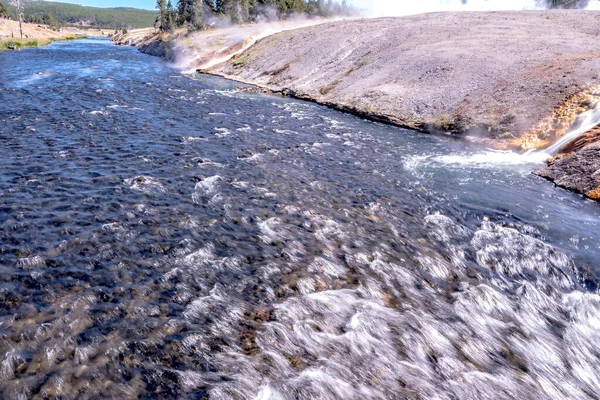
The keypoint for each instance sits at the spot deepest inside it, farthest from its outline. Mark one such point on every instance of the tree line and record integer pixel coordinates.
(56, 14)
(197, 14)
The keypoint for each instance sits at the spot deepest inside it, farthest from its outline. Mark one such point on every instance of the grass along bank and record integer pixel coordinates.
(18, 44)
(39, 35)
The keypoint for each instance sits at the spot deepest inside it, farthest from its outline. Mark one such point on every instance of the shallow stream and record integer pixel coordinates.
(170, 236)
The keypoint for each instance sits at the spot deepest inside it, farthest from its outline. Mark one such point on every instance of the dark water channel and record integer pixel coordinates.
(170, 237)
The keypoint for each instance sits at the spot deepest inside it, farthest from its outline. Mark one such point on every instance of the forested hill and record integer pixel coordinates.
(72, 14)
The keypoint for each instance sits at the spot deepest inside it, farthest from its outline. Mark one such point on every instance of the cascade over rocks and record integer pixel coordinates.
(560, 121)
(577, 167)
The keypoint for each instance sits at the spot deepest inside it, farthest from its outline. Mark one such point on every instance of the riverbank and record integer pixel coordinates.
(508, 79)
(37, 35)
(488, 74)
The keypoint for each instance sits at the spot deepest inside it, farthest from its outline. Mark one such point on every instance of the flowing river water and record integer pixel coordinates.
(169, 236)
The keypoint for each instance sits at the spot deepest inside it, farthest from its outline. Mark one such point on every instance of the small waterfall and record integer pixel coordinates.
(584, 123)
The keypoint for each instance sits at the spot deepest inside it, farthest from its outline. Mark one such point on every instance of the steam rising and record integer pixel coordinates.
(385, 8)
(205, 49)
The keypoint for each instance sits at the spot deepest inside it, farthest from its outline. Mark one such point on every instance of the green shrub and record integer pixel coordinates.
(11, 44)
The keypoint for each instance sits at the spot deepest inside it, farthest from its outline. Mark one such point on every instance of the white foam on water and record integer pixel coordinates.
(146, 184)
(205, 163)
(31, 262)
(208, 185)
(268, 393)
(253, 157)
(490, 158)
(227, 93)
(270, 230)
(285, 132)
(207, 190)
(188, 139)
(30, 80)
(240, 185)
(526, 333)
(112, 227)
(222, 132)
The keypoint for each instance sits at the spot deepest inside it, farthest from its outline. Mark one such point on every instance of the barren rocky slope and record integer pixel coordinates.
(494, 72)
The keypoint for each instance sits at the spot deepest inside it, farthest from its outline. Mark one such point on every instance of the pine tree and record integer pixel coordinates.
(162, 17)
(3, 10)
(237, 10)
(171, 15)
(181, 12)
(197, 14)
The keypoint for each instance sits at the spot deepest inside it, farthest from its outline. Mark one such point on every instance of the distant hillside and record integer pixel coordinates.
(73, 14)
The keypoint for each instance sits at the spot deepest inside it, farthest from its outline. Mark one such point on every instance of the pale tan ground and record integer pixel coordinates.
(492, 74)
(10, 29)
(134, 37)
(87, 31)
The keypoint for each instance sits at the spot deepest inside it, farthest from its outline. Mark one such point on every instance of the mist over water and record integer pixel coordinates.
(169, 237)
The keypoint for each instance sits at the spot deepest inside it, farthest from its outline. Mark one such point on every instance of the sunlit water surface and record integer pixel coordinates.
(162, 236)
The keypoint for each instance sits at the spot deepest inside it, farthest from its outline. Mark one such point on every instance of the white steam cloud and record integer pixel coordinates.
(381, 8)
(206, 49)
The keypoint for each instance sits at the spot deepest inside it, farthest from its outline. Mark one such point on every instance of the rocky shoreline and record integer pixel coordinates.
(496, 77)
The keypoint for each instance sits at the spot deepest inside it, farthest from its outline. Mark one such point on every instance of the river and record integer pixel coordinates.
(171, 236)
